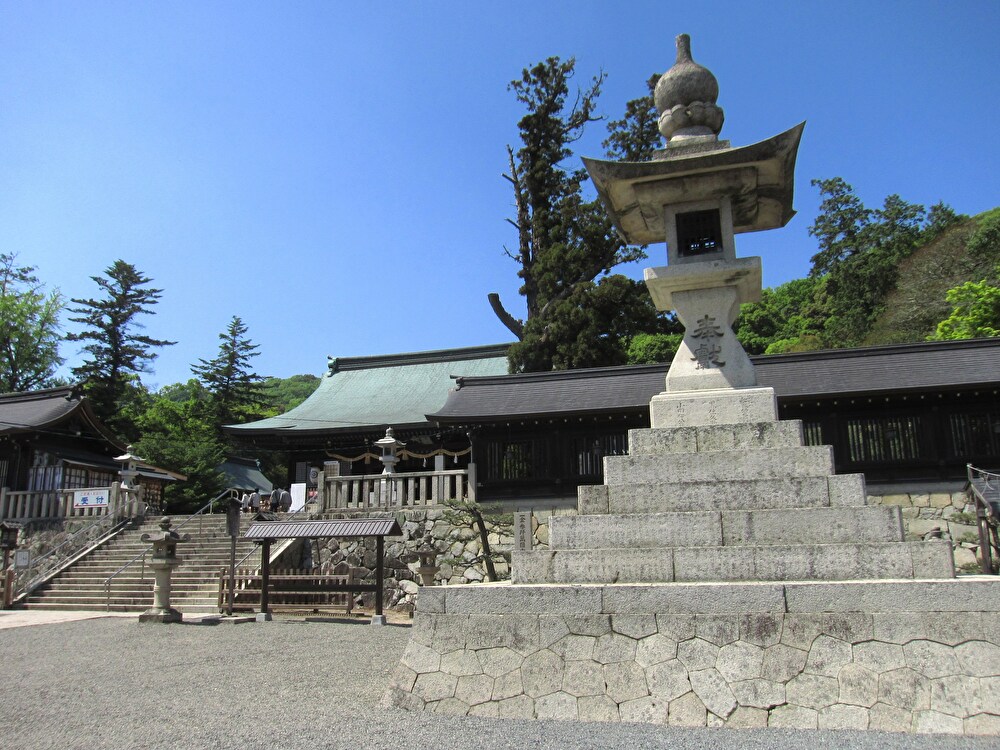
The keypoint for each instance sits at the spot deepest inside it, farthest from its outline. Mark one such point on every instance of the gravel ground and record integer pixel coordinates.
(113, 683)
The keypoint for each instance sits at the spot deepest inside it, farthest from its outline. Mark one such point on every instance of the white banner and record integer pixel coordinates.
(92, 498)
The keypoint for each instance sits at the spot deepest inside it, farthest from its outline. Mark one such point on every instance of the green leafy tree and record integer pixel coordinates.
(236, 392)
(785, 314)
(975, 312)
(653, 348)
(176, 433)
(567, 246)
(285, 394)
(29, 329)
(116, 352)
(985, 241)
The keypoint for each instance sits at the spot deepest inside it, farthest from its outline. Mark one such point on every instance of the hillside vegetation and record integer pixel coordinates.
(918, 303)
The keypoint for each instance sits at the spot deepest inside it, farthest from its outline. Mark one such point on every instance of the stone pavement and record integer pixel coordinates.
(19, 618)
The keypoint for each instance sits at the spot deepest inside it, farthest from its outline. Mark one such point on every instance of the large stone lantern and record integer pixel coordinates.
(164, 559)
(698, 193)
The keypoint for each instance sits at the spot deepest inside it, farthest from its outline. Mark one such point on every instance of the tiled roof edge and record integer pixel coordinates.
(338, 364)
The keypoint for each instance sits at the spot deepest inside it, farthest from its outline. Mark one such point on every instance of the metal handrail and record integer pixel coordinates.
(985, 490)
(197, 514)
(26, 581)
(254, 551)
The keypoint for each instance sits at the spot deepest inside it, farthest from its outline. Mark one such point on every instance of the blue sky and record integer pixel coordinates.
(330, 171)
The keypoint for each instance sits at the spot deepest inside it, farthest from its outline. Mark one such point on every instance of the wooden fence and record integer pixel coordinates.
(31, 505)
(291, 590)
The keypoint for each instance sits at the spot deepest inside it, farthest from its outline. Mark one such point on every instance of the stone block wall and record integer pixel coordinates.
(903, 672)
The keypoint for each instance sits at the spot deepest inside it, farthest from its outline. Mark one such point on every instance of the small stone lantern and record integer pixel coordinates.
(164, 559)
(129, 485)
(428, 567)
(390, 446)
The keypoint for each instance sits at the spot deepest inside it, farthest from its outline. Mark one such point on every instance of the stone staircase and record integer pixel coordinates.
(194, 583)
(735, 502)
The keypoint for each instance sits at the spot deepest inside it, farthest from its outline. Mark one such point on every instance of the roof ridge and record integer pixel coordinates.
(337, 364)
(582, 372)
(63, 391)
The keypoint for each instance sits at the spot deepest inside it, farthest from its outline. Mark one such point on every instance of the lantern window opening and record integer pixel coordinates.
(699, 232)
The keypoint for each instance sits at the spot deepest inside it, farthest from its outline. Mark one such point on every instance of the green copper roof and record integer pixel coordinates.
(388, 390)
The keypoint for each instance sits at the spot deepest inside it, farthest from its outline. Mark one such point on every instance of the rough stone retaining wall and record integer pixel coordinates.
(458, 548)
(950, 512)
(893, 671)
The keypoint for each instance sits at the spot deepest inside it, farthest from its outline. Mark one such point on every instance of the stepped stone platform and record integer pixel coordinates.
(722, 576)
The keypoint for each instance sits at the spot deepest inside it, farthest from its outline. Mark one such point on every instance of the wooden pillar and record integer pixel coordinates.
(379, 552)
(265, 573)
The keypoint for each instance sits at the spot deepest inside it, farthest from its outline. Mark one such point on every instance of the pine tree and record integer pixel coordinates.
(29, 329)
(236, 392)
(115, 352)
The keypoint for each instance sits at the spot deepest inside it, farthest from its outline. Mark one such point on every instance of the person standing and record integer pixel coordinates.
(254, 501)
(286, 501)
(275, 500)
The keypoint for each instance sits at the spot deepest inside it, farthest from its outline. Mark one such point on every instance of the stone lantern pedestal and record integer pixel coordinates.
(164, 560)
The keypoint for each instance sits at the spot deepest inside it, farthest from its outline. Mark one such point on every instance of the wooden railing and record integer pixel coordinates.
(50, 504)
(402, 490)
(984, 489)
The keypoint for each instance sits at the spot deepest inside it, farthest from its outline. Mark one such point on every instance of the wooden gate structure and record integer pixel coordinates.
(266, 532)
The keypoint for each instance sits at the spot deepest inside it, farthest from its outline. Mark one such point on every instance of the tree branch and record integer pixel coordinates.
(513, 325)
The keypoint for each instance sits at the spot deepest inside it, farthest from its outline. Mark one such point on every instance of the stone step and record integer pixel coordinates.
(748, 436)
(713, 466)
(723, 528)
(61, 588)
(190, 559)
(743, 494)
(123, 605)
(799, 562)
(738, 600)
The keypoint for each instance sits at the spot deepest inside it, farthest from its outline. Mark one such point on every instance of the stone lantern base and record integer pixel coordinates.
(154, 614)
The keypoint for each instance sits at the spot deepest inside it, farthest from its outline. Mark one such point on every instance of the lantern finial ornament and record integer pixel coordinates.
(685, 97)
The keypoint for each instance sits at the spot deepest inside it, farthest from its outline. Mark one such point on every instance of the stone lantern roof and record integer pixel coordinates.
(696, 165)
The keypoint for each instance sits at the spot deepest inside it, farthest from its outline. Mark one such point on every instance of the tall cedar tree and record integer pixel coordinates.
(236, 392)
(577, 314)
(29, 329)
(116, 353)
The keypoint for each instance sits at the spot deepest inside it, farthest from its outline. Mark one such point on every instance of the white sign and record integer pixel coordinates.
(22, 558)
(93, 498)
(522, 531)
(298, 493)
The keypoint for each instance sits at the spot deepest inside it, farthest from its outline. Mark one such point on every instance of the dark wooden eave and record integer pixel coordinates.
(896, 369)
